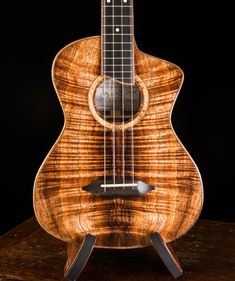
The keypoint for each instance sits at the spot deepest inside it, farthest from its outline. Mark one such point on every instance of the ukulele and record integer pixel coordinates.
(117, 171)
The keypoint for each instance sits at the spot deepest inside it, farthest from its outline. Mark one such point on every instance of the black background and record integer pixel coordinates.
(197, 38)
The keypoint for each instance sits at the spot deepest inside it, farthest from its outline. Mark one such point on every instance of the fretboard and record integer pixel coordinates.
(118, 40)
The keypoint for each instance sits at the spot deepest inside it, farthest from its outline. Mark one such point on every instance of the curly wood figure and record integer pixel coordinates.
(117, 176)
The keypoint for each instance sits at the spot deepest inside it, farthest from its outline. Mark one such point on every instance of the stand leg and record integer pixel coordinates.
(77, 258)
(166, 253)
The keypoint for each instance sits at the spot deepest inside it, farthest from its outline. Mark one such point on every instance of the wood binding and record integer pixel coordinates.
(69, 213)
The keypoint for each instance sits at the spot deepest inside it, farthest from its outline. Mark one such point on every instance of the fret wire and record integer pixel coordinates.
(119, 34)
(126, 6)
(105, 51)
(117, 16)
(121, 77)
(118, 42)
(117, 50)
(116, 58)
(118, 65)
(114, 71)
(114, 25)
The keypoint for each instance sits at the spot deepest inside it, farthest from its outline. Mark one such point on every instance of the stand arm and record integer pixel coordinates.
(166, 253)
(77, 258)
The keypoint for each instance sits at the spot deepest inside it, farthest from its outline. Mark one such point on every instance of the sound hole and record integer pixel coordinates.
(116, 102)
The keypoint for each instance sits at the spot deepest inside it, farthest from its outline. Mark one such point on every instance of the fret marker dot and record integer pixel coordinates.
(108, 1)
(125, 1)
(117, 29)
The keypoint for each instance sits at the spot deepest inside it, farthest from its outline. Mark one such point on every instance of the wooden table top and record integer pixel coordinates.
(206, 253)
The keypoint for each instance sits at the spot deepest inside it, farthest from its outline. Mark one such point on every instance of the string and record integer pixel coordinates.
(123, 95)
(132, 84)
(113, 91)
(104, 87)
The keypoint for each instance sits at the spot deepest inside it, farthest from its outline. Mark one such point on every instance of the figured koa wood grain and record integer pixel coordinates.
(67, 212)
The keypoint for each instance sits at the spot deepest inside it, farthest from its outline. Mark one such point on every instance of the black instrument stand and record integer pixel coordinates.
(78, 256)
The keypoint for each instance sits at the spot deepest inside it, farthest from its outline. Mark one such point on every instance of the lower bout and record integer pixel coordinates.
(120, 231)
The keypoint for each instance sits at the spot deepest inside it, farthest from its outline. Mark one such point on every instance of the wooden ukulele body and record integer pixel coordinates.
(66, 211)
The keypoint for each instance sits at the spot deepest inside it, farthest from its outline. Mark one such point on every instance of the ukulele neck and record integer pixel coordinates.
(118, 40)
